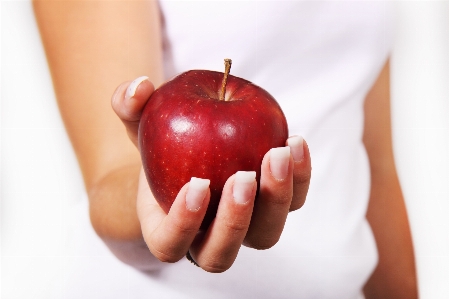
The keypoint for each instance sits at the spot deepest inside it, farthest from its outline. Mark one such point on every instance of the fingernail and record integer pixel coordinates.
(296, 147)
(196, 193)
(279, 160)
(243, 186)
(131, 91)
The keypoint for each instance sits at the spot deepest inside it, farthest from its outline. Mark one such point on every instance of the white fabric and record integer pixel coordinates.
(330, 51)
(48, 248)
(318, 59)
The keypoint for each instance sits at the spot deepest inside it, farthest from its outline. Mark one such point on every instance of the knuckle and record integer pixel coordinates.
(117, 99)
(302, 177)
(215, 266)
(283, 198)
(235, 227)
(127, 114)
(299, 196)
(165, 257)
(296, 205)
(260, 243)
(166, 249)
(182, 227)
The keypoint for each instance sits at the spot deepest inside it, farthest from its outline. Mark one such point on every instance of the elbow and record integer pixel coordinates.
(112, 205)
(113, 215)
(111, 223)
(124, 240)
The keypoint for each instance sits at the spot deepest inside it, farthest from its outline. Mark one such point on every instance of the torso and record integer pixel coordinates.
(319, 60)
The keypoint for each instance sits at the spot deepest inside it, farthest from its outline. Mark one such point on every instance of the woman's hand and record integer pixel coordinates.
(285, 177)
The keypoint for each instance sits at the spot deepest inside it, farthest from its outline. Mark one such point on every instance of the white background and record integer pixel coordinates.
(42, 241)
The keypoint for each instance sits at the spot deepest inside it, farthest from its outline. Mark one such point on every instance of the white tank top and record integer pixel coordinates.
(319, 60)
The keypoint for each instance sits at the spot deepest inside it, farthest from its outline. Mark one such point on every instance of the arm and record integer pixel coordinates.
(394, 276)
(91, 47)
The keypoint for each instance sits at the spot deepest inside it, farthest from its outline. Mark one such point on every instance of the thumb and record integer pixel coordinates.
(128, 101)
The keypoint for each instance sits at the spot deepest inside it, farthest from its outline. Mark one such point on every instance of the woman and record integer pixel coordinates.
(325, 63)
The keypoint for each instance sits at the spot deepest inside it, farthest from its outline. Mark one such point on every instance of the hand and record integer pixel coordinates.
(284, 182)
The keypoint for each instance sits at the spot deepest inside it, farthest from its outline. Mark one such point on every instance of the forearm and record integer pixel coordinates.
(394, 276)
(91, 47)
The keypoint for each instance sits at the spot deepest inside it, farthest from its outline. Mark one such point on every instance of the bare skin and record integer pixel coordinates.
(80, 33)
(107, 154)
(395, 275)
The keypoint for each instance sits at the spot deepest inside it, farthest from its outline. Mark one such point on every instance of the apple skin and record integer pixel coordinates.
(186, 131)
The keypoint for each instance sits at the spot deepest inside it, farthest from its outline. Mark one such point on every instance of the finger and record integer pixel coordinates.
(274, 199)
(128, 102)
(169, 236)
(217, 249)
(302, 170)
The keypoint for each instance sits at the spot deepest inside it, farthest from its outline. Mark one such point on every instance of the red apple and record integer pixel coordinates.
(191, 128)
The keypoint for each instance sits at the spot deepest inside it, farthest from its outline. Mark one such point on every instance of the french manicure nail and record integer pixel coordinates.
(296, 144)
(279, 160)
(131, 91)
(196, 193)
(243, 186)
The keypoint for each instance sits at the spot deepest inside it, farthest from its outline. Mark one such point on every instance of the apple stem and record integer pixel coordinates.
(227, 63)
